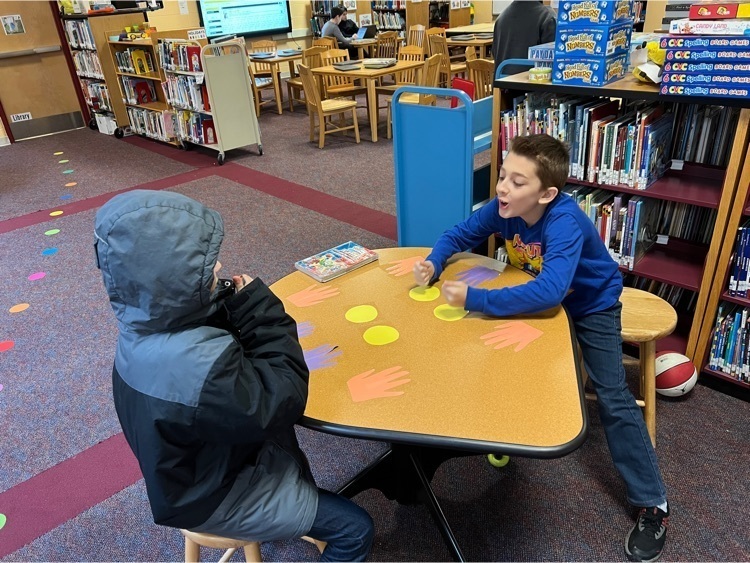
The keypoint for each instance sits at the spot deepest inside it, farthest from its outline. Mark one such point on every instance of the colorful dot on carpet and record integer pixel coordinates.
(1, 386)
(36, 276)
(49, 251)
(58, 153)
(3, 520)
(51, 232)
(18, 308)
(63, 161)
(69, 171)
(71, 184)
(56, 213)
(66, 196)
(6, 345)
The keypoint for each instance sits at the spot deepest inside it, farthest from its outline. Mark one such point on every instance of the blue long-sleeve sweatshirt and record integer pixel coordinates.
(564, 240)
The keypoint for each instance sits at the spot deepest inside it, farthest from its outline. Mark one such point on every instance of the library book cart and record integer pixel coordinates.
(702, 204)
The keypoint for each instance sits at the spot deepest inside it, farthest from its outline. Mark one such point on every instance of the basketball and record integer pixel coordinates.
(675, 374)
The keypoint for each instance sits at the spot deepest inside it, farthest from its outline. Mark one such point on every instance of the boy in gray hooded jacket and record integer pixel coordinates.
(208, 389)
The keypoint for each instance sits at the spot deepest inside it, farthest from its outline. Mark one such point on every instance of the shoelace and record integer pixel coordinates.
(651, 521)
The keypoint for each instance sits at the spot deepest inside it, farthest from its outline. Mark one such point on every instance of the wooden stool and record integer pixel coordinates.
(195, 540)
(645, 319)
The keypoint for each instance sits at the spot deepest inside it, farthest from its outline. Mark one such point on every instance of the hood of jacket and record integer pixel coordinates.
(156, 251)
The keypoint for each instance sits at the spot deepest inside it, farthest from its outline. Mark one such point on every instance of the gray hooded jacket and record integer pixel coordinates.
(207, 392)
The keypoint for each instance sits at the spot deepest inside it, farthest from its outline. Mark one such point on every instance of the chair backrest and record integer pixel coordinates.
(310, 86)
(439, 46)
(416, 35)
(429, 33)
(329, 57)
(481, 73)
(387, 45)
(471, 53)
(409, 53)
(263, 46)
(311, 57)
(431, 71)
(327, 42)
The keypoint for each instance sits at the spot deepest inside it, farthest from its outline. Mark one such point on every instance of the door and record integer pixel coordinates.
(37, 92)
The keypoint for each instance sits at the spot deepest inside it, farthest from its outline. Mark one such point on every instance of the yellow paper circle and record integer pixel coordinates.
(448, 313)
(381, 334)
(424, 293)
(361, 314)
(18, 308)
(55, 213)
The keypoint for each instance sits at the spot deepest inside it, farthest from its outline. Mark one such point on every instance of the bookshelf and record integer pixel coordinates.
(690, 265)
(87, 42)
(442, 14)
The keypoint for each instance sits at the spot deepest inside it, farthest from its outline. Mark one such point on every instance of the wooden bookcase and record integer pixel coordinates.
(678, 263)
(447, 17)
(98, 26)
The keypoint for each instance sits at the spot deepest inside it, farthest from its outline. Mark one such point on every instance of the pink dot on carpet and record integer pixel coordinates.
(36, 276)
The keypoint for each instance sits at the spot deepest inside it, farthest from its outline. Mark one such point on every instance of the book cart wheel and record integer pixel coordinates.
(220, 158)
(119, 133)
(92, 124)
(260, 150)
(498, 460)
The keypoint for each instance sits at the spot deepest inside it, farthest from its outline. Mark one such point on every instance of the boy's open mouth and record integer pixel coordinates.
(503, 204)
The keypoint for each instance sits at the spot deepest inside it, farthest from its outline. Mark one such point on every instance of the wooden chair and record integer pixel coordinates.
(481, 72)
(260, 68)
(470, 53)
(195, 540)
(334, 86)
(311, 59)
(645, 319)
(429, 33)
(387, 45)
(327, 42)
(448, 70)
(325, 108)
(430, 78)
(416, 36)
(258, 84)
(408, 53)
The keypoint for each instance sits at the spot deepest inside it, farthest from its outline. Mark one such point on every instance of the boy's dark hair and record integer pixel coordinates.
(343, 9)
(336, 11)
(550, 156)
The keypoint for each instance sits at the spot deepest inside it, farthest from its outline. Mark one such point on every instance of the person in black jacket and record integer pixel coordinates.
(523, 24)
(348, 27)
(208, 388)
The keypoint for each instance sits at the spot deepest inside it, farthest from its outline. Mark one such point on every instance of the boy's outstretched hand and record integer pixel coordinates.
(424, 270)
(455, 293)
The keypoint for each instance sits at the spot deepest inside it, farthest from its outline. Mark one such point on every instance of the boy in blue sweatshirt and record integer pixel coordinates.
(547, 235)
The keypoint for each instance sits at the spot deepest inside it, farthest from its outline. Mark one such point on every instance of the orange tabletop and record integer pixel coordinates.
(396, 370)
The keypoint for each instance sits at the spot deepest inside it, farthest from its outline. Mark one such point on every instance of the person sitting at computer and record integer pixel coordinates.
(348, 27)
(332, 29)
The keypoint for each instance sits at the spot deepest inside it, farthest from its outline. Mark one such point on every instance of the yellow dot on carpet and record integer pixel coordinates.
(71, 184)
(381, 334)
(56, 213)
(423, 293)
(18, 308)
(448, 313)
(58, 153)
(63, 161)
(361, 314)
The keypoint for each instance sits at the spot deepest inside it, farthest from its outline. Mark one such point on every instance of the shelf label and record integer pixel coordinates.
(16, 117)
(195, 34)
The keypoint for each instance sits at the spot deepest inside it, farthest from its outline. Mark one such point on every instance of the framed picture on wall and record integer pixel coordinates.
(365, 19)
(350, 5)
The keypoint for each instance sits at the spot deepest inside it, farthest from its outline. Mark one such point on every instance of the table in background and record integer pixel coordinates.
(362, 44)
(370, 76)
(459, 396)
(484, 46)
(275, 62)
(473, 28)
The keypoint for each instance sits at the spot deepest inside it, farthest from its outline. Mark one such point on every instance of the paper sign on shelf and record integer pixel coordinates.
(455, 4)
(16, 117)
(465, 3)
(195, 34)
(183, 5)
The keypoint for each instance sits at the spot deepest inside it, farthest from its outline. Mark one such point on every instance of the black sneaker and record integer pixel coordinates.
(646, 540)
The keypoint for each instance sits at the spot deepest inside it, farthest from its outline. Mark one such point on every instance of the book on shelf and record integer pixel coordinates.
(336, 261)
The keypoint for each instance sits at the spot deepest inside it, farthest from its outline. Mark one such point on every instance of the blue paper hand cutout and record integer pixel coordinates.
(321, 357)
(476, 275)
(304, 329)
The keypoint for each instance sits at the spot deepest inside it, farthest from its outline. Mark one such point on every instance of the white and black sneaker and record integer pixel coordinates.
(646, 540)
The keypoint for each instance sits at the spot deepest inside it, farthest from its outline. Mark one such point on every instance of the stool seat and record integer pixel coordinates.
(217, 542)
(195, 540)
(645, 316)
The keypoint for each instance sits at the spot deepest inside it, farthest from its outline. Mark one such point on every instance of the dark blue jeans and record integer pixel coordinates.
(599, 335)
(346, 527)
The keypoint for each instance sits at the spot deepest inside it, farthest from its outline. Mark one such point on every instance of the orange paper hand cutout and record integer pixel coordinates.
(370, 385)
(312, 295)
(403, 267)
(510, 333)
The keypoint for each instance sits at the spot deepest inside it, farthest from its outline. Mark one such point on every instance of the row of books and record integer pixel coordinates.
(96, 94)
(683, 300)
(136, 61)
(186, 92)
(324, 6)
(388, 4)
(739, 278)
(138, 91)
(87, 64)
(388, 20)
(619, 141)
(79, 34)
(196, 128)
(155, 124)
(730, 345)
(176, 55)
(630, 225)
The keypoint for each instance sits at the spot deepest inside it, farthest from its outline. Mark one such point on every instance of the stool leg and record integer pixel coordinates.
(227, 555)
(252, 553)
(192, 551)
(648, 386)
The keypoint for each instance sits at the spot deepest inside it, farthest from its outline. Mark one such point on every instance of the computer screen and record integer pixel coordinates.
(245, 17)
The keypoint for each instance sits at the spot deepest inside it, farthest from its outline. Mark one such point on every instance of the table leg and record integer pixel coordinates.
(372, 108)
(277, 86)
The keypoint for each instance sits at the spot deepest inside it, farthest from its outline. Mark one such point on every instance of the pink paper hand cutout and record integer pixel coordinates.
(510, 333)
(304, 329)
(403, 267)
(370, 385)
(476, 275)
(312, 295)
(321, 357)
